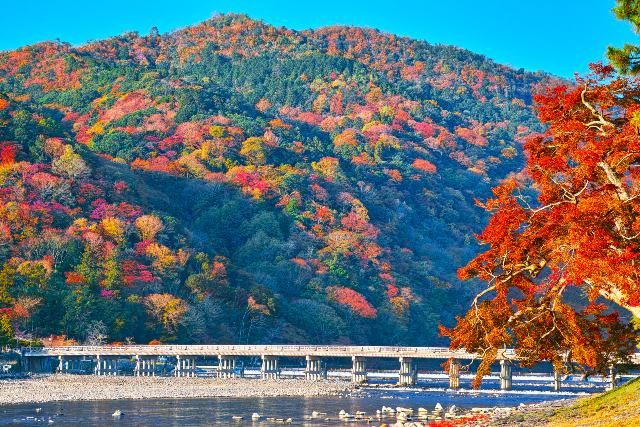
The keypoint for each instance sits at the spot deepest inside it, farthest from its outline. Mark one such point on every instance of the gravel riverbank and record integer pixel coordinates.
(533, 415)
(75, 387)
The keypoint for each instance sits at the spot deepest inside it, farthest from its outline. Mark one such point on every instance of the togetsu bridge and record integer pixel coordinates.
(105, 360)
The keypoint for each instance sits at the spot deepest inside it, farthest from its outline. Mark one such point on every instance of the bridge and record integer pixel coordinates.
(105, 360)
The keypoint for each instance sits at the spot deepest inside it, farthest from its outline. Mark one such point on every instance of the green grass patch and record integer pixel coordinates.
(618, 407)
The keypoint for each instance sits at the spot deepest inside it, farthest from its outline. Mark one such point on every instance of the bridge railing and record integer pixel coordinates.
(255, 349)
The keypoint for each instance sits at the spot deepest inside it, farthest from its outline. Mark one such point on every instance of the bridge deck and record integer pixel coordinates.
(253, 350)
(266, 350)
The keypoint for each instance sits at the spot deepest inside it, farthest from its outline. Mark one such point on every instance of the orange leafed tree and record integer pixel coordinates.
(552, 259)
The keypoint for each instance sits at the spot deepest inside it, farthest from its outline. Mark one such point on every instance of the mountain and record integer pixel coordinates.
(234, 182)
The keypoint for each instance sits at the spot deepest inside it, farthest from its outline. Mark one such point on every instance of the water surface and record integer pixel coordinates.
(219, 411)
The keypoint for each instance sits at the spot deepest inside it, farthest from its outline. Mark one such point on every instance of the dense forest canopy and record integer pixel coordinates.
(234, 182)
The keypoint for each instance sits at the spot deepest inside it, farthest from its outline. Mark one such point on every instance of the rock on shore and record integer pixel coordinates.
(75, 387)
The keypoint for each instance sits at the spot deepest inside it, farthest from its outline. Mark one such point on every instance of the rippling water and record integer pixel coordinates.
(219, 411)
(200, 412)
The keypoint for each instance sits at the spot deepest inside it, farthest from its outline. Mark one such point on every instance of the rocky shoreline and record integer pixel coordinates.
(52, 388)
(532, 415)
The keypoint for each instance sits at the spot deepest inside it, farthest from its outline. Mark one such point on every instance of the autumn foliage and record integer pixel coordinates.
(554, 254)
(217, 183)
(352, 299)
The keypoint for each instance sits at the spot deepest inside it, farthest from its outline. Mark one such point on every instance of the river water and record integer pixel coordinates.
(219, 411)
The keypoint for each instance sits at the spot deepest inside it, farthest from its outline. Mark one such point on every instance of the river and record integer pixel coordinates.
(219, 411)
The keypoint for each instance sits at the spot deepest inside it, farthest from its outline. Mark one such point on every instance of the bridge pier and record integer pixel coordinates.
(107, 366)
(408, 374)
(179, 370)
(185, 367)
(506, 377)
(269, 369)
(557, 380)
(454, 374)
(359, 370)
(151, 366)
(314, 370)
(145, 366)
(138, 368)
(63, 365)
(227, 367)
(613, 378)
(190, 367)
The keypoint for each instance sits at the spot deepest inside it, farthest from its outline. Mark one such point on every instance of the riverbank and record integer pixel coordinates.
(532, 415)
(615, 408)
(52, 388)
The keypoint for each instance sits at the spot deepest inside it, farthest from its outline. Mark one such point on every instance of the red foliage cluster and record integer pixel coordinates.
(424, 165)
(352, 299)
(7, 153)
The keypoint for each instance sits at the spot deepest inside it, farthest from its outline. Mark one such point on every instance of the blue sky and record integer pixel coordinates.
(559, 36)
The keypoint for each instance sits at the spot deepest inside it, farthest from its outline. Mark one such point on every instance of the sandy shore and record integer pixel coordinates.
(76, 387)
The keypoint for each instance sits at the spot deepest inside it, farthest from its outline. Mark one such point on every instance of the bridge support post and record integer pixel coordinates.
(178, 369)
(359, 369)
(557, 380)
(454, 374)
(191, 370)
(506, 378)
(613, 377)
(269, 369)
(60, 368)
(314, 370)
(226, 366)
(408, 374)
(150, 367)
(136, 368)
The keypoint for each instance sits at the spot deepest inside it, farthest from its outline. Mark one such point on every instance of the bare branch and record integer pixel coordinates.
(601, 122)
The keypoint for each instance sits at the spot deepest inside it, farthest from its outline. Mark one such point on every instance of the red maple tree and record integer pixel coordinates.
(574, 227)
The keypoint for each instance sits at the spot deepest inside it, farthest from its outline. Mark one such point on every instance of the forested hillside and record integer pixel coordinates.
(234, 182)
